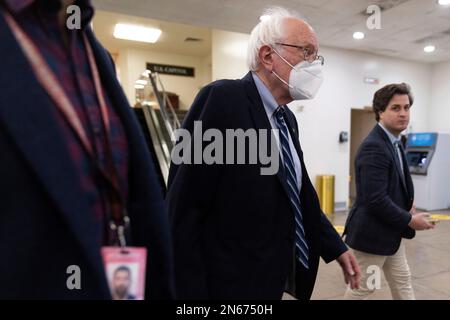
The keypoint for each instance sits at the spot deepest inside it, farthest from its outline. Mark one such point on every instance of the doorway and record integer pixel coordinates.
(362, 122)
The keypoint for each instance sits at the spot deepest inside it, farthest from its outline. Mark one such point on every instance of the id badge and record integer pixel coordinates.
(125, 270)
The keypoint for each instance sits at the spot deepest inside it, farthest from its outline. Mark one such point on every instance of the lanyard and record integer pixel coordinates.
(49, 81)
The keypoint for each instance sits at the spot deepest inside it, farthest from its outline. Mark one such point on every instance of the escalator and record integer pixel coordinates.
(158, 121)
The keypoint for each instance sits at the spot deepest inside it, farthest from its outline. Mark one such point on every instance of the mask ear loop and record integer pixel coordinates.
(289, 85)
(287, 62)
(276, 75)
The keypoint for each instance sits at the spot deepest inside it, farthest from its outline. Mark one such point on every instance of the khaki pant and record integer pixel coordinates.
(395, 269)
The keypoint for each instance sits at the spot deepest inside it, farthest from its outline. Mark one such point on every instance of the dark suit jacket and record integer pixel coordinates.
(380, 216)
(233, 228)
(45, 223)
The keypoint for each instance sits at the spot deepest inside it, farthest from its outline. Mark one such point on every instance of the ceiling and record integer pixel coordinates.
(407, 25)
(172, 39)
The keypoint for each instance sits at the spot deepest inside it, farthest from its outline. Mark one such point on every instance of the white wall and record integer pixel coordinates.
(323, 118)
(133, 62)
(440, 100)
(229, 50)
(207, 69)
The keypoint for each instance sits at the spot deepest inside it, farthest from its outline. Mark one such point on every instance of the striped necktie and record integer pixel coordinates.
(293, 189)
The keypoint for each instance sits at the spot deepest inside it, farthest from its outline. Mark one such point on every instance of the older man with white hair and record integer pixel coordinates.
(239, 234)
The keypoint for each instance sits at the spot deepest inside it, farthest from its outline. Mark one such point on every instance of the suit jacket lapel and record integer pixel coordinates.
(261, 121)
(394, 155)
(27, 114)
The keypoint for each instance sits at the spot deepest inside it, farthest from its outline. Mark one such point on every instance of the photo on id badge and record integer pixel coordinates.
(125, 271)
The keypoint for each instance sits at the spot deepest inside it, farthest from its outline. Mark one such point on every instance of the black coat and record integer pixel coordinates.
(233, 228)
(45, 222)
(380, 216)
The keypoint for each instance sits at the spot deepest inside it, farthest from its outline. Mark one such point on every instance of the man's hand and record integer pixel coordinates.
(350, 268)
(420, 221)
(413, 210)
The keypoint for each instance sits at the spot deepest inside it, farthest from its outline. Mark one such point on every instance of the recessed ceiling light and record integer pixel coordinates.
(359, 35)
(264, 17)
(444, 2)
(136, 33)
(429, 49)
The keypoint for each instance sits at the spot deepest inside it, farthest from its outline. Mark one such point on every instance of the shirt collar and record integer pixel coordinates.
(269, 102)
(18, 6)
(391, 137)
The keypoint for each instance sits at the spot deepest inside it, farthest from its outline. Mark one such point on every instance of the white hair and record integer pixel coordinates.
(267, 32)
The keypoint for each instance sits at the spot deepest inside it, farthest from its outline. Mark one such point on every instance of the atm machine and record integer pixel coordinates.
(428, 156)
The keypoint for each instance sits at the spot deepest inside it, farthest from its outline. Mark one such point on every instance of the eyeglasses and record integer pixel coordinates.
(308, 54)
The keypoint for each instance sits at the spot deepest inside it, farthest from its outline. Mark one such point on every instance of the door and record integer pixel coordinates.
(362, 122)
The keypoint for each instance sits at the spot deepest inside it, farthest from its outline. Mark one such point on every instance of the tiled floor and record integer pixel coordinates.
(428, 257)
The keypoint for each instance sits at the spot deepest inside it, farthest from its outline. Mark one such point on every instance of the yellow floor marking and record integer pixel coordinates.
(441, 217)
(339, 229)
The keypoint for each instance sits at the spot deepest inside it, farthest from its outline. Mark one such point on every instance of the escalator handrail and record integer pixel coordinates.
(176, 122)
(162, 104)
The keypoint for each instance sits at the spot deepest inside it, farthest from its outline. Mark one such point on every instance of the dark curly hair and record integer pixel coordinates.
(383, 96)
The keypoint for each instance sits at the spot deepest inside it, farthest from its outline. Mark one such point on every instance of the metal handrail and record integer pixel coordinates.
(162, 105)
(160, 128)
(162, 154)
(176, 121)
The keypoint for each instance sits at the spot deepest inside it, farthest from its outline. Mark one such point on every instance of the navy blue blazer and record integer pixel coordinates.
(233, 228)
(380, 215)
(45, 224)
